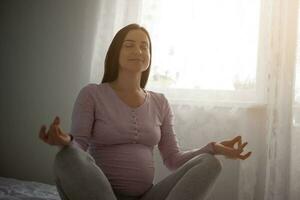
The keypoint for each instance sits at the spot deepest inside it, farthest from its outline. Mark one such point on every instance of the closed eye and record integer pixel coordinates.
(144, 47)
(129, 45)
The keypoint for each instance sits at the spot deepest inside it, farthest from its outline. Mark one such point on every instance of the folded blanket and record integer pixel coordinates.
(14, 189)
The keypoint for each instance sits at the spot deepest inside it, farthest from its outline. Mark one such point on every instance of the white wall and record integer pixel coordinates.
(45, 49)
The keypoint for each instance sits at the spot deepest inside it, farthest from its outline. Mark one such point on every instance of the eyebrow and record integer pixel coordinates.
(135, 41)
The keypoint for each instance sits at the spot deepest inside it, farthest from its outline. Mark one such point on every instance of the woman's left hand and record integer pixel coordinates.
(227, 148)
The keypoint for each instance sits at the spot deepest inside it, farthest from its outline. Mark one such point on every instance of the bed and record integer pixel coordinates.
(14, 189)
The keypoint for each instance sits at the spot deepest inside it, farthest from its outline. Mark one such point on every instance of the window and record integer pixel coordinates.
(204, 50)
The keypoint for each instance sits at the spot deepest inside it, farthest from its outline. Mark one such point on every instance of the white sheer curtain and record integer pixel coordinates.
(279, 57)
(295, 137)
(272, 172)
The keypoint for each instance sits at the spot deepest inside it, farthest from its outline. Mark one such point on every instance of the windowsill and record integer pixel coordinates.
(220, 104)
(213, 98)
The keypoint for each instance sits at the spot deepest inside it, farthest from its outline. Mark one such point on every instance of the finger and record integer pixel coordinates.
(58, 135)
(42, 133)
(44, 136)
(239, 144)
(229, 151)
(56, 120)
(54, 125)
(60, 132)
(236, 142)
(235, 153)
(243, 145)
(226, 143)
(244, 157)
(53, 133)
(236, 139)
(232, 142)
(55, 136)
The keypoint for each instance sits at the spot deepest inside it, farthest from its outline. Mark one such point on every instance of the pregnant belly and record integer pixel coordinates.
(128, 167)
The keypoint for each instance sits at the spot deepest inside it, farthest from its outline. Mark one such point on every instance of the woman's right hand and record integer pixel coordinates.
(54, 136)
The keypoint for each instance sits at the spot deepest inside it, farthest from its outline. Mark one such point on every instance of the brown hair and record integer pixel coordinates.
(111, 64)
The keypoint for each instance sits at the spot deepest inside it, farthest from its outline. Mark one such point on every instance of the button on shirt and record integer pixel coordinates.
(121, 138)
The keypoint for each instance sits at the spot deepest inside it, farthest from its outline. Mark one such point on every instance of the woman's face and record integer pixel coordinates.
(135, 52)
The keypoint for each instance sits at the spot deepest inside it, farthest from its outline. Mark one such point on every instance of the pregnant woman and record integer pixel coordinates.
(108, 154)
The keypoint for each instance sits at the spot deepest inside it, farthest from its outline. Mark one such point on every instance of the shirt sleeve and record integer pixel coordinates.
(168, 146)
(82, 118)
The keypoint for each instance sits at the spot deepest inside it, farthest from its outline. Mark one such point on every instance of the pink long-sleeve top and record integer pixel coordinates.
(121, 138)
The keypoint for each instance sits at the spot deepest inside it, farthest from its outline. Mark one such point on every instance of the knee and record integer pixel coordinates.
(69, 157)
(213, 164)
(66, 154)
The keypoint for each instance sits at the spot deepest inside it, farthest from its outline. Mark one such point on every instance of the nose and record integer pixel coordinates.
(137, 50)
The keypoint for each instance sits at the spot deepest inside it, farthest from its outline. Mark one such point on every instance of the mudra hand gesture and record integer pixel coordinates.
(54, 136)
(227, 148)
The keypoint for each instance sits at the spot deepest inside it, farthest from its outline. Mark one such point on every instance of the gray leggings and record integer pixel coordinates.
(79, 178)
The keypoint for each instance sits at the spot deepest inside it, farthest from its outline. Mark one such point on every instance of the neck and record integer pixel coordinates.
(129, 83)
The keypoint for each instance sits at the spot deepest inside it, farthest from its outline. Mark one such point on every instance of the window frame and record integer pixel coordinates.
(241, 98)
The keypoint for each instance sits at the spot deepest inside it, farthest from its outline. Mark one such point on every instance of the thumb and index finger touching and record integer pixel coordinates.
(56, 123)
(240, 146)
(55, 127)
(43, 133)
(233, 141)
(238, 140)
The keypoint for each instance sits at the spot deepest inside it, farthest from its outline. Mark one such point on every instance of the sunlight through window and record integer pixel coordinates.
(203, 44)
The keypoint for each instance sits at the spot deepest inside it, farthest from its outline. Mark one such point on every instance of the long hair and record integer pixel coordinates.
(111, 64)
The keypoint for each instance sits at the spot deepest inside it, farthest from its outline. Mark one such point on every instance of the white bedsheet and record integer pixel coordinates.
(13, 189)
